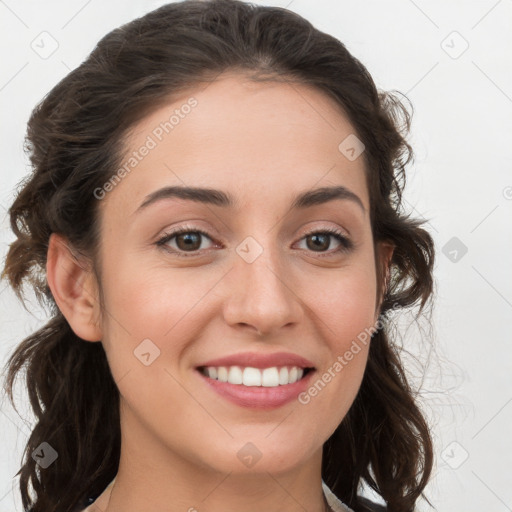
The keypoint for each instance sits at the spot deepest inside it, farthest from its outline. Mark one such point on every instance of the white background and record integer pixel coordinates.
(461, 182)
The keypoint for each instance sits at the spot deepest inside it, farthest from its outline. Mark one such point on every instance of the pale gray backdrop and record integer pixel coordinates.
(453, 60)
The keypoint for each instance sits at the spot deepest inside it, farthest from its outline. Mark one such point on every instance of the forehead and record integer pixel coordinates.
(276, 138)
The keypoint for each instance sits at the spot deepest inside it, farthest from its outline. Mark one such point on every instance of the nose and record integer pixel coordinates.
(262, 296)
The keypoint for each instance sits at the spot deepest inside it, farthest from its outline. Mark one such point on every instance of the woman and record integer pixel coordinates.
(214, 217)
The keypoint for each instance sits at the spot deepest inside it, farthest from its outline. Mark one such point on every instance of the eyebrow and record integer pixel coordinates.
(219, 198)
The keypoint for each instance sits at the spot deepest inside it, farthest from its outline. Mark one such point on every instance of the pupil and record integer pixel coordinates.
(189, 239)
(316, 239)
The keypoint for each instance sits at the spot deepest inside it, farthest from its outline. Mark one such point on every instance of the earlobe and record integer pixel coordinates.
(74, 288)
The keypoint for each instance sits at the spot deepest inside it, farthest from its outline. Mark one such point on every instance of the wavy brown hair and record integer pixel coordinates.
(75, 139)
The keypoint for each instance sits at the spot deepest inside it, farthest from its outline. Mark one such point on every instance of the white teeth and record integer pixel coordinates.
(270, 377)
(252, 377)
(235, 375)
(267, 377)
(222, 374)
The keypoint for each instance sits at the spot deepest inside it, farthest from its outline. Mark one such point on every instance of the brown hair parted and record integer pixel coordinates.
(75, 140)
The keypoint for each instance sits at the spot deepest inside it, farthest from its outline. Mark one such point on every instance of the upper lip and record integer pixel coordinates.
(255, 360)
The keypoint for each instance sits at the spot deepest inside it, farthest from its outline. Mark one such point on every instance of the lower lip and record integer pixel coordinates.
(259, 397)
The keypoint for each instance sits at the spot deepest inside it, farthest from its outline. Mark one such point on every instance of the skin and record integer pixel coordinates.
(264, 143)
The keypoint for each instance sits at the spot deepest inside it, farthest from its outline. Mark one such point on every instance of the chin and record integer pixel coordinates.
(258, 456)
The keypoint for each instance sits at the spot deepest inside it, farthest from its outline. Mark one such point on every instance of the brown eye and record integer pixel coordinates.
(188, 241)
(183, 241)
(320, 241)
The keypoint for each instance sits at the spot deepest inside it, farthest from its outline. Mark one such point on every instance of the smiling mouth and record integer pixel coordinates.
(271, 377)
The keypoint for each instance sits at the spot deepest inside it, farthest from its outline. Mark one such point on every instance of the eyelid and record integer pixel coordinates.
(345, 240)
(337, 233)
(167, 236)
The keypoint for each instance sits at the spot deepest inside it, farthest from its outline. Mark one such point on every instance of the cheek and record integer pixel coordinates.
(344, 299)
(343, 310)
(149, 321)
(164, 306)
(149, 299)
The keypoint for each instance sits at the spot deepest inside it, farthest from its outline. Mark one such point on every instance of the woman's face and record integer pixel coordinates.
(263, 279)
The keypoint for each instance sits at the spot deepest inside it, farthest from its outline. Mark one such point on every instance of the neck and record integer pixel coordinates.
(217, 493)
(150, 477)
(275, 499)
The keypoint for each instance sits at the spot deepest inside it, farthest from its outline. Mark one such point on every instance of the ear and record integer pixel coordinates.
(74, 288)
(384, 253)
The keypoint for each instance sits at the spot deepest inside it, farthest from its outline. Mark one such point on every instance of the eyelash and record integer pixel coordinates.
(346, 245)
